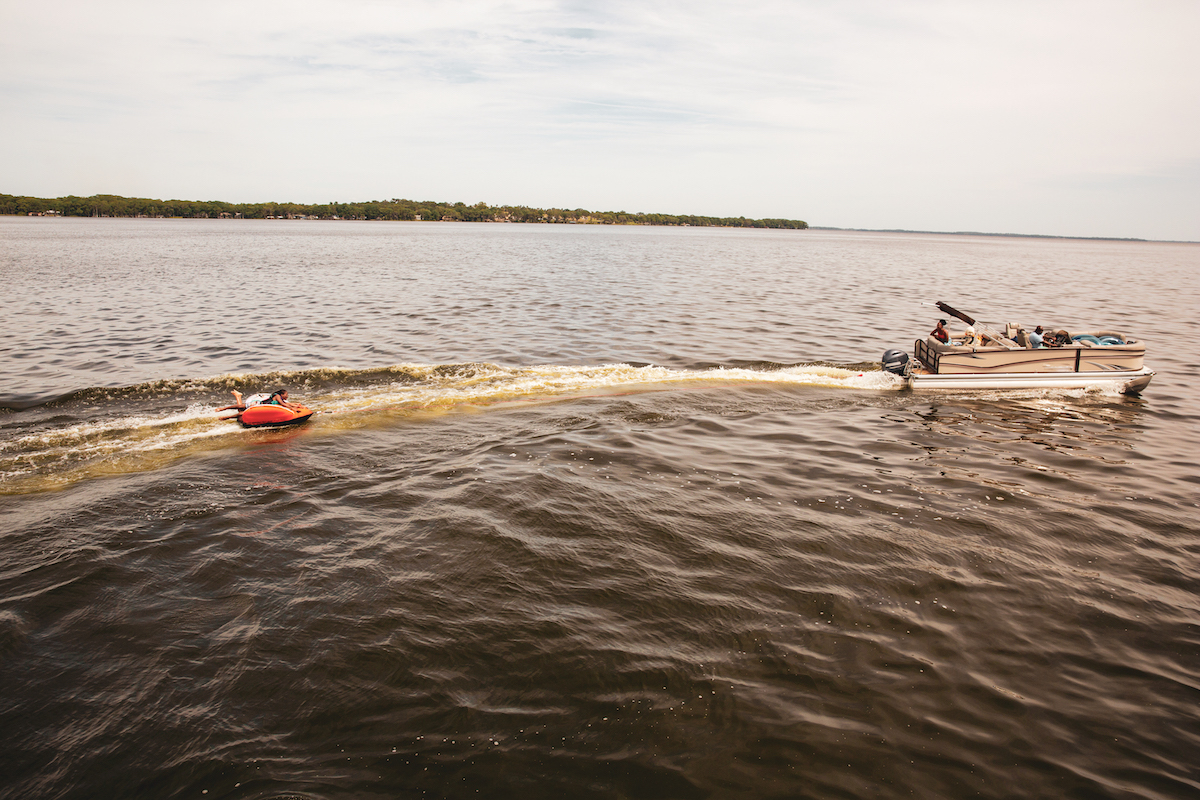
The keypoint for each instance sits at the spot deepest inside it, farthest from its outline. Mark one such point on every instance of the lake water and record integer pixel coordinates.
(600, 512)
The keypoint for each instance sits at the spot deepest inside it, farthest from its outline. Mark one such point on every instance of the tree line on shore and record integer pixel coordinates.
(104, 205)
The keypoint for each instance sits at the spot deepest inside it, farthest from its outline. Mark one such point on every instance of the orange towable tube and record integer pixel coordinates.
(269, 415)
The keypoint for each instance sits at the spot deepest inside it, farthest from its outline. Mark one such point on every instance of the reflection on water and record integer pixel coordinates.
(1095, 430)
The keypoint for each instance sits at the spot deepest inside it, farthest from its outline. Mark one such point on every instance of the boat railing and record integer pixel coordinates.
(929, 351)
(926, 354)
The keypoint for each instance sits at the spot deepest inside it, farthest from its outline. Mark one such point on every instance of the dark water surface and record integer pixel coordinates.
(586, 512)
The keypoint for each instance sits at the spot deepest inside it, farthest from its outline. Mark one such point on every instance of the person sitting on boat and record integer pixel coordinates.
(1036, 338)
(969, 338)
(940, 333)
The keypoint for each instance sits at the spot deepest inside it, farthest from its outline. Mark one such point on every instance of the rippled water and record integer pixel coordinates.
(602, 512)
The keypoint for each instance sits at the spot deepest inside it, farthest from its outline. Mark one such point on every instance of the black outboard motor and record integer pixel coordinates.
(896, 362)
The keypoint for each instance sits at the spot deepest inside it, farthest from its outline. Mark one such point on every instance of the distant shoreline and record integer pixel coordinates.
(395, 209)
(1005, 235)
(398, 209)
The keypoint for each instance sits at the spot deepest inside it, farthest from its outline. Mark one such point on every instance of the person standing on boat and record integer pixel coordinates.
(940, 333)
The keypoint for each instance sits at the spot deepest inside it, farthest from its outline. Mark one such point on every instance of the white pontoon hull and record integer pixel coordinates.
(1126, 381)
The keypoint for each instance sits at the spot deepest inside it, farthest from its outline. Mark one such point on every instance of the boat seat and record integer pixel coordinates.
(939, 347)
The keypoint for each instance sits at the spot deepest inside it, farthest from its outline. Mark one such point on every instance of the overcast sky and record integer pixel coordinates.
(1069, 118)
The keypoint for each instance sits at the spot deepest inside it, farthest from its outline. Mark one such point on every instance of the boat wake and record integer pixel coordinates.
(107, 431)
(444, 387)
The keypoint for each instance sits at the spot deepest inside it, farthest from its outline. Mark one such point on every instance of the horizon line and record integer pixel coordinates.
(1010, 235)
